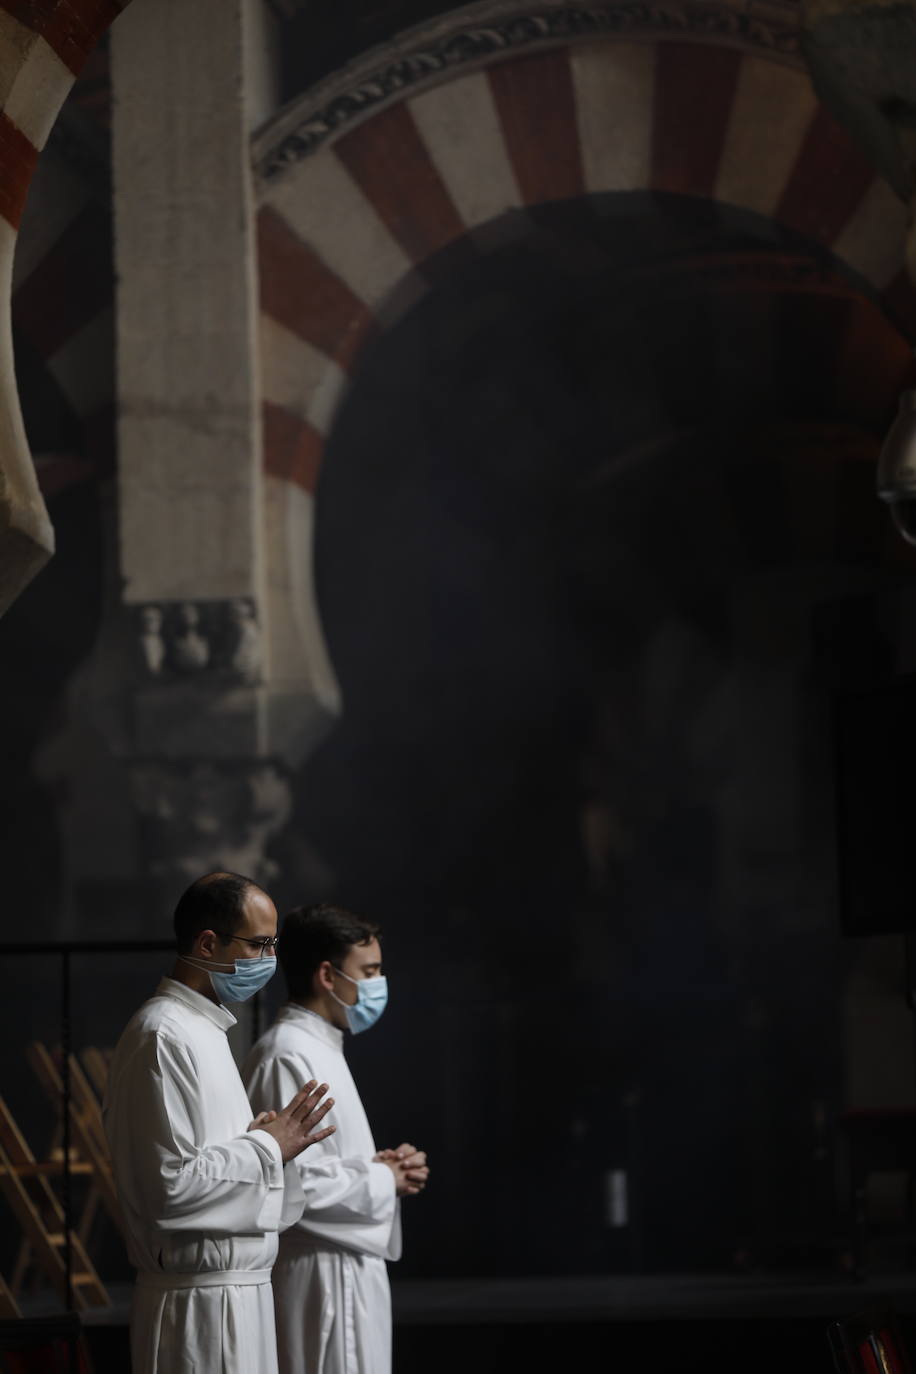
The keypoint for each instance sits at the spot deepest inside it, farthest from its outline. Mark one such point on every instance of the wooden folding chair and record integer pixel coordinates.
(87, 1089)
(86, 1129)
(95, 1062)
(24, 1182)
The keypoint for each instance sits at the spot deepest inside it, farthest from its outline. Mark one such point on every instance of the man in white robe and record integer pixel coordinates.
(203, 1188)
(330, 1280)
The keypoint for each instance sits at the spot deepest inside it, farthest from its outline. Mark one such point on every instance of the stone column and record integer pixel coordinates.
(188, 437)
(207, 773)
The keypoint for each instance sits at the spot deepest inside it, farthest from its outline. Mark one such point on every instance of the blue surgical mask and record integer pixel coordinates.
(247, 978)
(371, 1001)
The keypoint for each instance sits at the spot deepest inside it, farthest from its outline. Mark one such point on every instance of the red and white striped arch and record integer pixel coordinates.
(349, 234)
(63, 286)
(361, 217)
(43, 46)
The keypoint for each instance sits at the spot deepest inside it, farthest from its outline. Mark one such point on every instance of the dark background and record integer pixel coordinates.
(594, 584)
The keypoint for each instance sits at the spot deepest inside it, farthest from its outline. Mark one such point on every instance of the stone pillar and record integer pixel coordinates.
(188, 433)
(207, 773)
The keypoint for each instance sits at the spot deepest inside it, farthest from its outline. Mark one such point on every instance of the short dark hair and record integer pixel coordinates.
(214, 902)
(311, 934)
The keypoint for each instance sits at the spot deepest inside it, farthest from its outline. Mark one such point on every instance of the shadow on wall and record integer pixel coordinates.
(584, 774)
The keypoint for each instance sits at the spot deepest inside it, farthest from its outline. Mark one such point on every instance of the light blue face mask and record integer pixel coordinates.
(371, 1001)
(247, 978)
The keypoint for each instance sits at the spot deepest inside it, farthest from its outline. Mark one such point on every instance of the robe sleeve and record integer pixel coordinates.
(184, 1184)
(293, 1196)
(350, 1202)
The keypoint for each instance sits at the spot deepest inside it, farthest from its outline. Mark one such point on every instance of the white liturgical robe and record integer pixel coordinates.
(330, 1281)
(203, 1197)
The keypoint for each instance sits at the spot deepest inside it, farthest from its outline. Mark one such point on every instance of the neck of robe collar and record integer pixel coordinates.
(313, 1023)
(214, 1011)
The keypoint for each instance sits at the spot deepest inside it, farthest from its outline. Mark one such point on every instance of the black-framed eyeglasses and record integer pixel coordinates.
(262, 943)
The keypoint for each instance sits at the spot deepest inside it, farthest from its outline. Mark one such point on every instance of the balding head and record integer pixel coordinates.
(214, 902)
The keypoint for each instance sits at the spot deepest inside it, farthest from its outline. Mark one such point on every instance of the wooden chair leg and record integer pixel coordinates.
(86, 1122)
(8, 1305)
(21, 1267)
(24, 1183)
(88, 1215)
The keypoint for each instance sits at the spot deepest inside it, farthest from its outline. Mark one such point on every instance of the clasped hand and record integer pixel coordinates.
(408, 1164)
(294, 1127)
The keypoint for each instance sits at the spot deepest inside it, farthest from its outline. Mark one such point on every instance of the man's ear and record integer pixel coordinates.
(324, 976)
(206, 943)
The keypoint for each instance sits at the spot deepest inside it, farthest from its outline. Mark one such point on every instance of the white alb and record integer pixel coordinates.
(203, 1197)
(331, 1289)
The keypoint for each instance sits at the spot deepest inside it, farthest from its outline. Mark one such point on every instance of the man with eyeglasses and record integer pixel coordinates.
(330, 1281)
(204, 1189)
